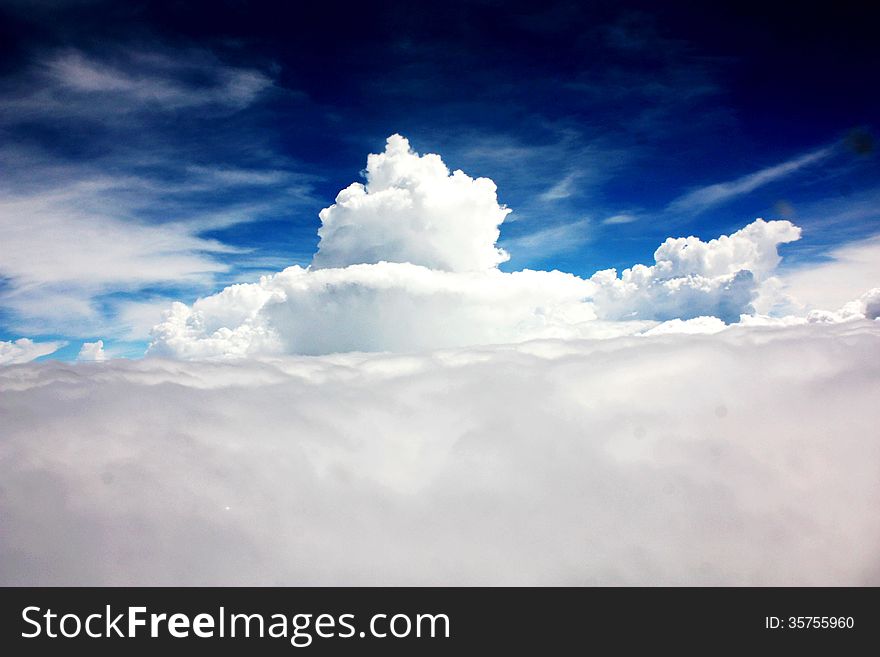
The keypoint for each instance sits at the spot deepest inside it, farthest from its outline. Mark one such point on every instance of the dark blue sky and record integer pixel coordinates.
(600, 122)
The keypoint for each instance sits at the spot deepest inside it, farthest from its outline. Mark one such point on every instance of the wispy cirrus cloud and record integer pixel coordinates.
(617, 219)
(701, 199)
(133, 81)
(122, 169)
(559, 238)
(563, 189)
(60, 249)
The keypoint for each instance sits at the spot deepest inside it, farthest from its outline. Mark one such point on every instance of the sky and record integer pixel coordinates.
(479, 293)
(153, 153)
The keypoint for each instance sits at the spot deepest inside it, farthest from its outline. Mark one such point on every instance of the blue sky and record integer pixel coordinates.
(159, 152)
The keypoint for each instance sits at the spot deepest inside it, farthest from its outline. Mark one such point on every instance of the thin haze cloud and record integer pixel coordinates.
(563, 189)
(620, 219)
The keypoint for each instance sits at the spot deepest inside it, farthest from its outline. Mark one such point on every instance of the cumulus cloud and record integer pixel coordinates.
(691, 277)
(409, 261)
(382, 307)
(870, 302)
(92, 351)
(549, 462)
(25, 350)
(413, 210)
(867, 306)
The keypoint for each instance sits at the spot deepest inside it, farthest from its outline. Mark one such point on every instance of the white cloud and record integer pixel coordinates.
(138, 317)
(381, 307)
(551, 240)
(871, 301)
(92, 351)
(758, 320)
(52, 286)
(620, 219)
(528, 452)
(125, 209)
(728, 459)
(867, 306)
(409, 262)
(25, 350)
(691, 277)
(413, 210)
(695, 326)
(563, 189)
(165, 79)
(108, 249)
(403, 307)
(701, 199)
(847, 272)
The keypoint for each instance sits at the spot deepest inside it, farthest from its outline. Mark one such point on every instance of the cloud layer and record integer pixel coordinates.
(744, 457)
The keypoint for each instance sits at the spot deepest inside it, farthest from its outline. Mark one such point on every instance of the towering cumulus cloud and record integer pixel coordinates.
(409, 261)
(412, 210)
